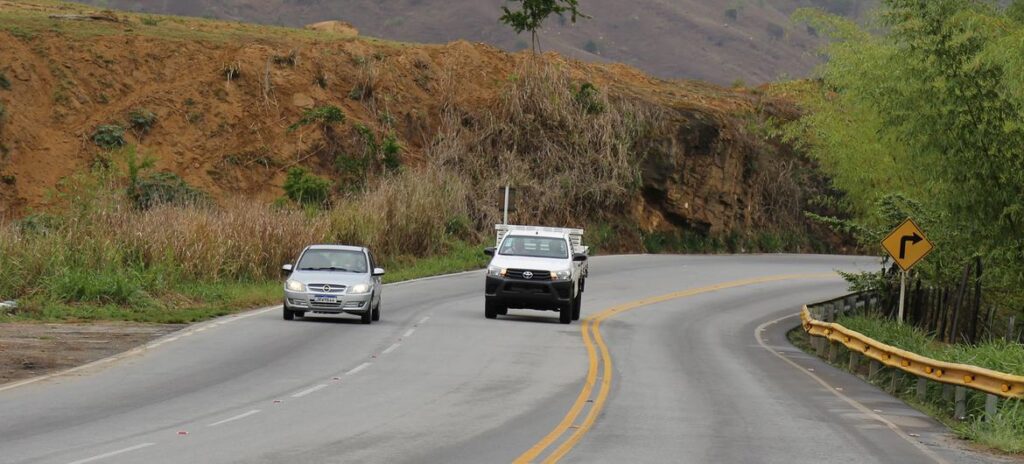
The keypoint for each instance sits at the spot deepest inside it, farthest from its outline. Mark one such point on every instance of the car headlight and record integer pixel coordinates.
(295, 286)
(359, 288)
(495, 271)
(561, 275)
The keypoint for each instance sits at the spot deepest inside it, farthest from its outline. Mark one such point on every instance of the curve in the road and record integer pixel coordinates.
(591, 332)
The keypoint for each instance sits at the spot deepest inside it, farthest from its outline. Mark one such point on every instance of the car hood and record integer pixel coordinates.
(523, 262)
(329, 277)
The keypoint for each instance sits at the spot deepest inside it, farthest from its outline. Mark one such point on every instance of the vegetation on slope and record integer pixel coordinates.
(925, 120)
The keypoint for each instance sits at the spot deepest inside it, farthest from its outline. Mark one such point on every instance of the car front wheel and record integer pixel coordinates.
(288, 314)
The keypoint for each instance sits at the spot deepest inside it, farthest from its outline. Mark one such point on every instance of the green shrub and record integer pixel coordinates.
(141, 119)
(150, 21)
(109, 136)
(164, 188)
(391, 151)
(4, 83)
(589, 99)
(305, 188)
(323, 115)
(8, 179)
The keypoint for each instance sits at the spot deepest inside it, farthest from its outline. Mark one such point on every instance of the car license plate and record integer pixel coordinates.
(325, 299)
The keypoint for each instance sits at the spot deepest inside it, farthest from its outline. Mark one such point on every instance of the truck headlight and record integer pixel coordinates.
(359, 289)
(561, 275)
(295, 286)
(495, 271)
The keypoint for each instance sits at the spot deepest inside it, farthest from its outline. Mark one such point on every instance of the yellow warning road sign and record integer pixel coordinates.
(907, 245)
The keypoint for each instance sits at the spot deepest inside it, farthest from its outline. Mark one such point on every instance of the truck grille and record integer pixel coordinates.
(326, 288)
(521, 274)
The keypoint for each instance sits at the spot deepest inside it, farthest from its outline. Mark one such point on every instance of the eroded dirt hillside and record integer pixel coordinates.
(226, 98)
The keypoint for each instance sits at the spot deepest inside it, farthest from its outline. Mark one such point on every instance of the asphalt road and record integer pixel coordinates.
(703, 377)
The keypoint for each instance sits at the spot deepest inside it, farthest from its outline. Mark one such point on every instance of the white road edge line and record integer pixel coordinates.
(358, 368)
(139, 349)
(391, 348)
(424, 320)
(232, 419)
(408, 333)
(852, 402)
(113, 453)
(181, 333)
(309, 390)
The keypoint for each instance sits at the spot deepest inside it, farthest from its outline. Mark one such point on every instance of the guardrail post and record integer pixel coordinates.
(854, 362)
(873, 367)
(822, 345)
(894, 381)
(830, 315)
(991, 406)
(947, 392)
(833, 351)
(960, 410)
(922, 388)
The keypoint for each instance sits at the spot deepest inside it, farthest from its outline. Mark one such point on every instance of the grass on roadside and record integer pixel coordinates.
(1005, 432)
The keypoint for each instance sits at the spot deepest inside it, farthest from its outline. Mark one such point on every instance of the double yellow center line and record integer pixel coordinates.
(600, 364)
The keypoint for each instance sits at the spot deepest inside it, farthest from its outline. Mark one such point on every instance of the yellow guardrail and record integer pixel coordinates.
(977, 378)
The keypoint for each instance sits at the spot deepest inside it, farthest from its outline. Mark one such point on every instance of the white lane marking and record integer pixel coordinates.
(231, 419)
(113, 453)
(852, 402)
(408, 333)
(309, 390)
(391, 348)
(358, 368)
(424, 320)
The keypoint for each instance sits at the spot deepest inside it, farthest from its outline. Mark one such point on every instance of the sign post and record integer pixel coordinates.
(907, 246)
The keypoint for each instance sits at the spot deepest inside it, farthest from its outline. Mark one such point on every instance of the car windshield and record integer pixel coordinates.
(333, 260)
(537, 247)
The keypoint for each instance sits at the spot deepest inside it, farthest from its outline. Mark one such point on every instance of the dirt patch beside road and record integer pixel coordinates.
(28, 350)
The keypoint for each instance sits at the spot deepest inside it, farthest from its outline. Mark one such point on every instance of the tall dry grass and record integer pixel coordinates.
(567, 161)
(570, 163)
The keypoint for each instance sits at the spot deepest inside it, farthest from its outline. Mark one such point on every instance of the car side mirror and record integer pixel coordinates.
(377, 272)
(579, 257)
(489, 251)
(287, 269)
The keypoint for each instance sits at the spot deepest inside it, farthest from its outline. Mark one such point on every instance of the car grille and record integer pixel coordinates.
(520, 274)
(314, 304)
(326, 288)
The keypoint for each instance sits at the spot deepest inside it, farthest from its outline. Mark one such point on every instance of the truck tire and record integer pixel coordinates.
(577, 304)
(565, 314)
(490, 310)
(583, 284)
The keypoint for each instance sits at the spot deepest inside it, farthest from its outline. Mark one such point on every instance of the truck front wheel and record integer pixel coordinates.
(490, 310)
(577, 304)
(565, 313)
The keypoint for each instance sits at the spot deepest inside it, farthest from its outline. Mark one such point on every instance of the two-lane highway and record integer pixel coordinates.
(690, 380)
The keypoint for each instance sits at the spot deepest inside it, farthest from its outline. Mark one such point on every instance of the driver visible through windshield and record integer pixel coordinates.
(333, 260)
(535, 247)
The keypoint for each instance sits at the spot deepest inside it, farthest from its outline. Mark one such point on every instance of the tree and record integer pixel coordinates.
(533, 13)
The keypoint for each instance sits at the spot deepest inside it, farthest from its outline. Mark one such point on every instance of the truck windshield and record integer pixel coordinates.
(537, 247)
(333, 260)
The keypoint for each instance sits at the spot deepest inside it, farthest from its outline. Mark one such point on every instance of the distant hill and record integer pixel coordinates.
(721, 41)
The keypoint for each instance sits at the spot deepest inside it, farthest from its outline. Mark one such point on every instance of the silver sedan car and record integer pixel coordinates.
(333, 279)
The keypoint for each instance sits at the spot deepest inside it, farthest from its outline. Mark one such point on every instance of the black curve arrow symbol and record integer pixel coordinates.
(913, 239)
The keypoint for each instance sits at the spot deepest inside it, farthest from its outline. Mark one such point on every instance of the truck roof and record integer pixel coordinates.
(536, 233)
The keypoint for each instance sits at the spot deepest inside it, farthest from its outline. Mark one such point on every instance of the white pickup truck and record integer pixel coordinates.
(534, 267)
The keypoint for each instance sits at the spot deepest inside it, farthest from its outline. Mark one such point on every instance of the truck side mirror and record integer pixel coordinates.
(489, 251)
(377, 272)
(287, 269)
(579, 257)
